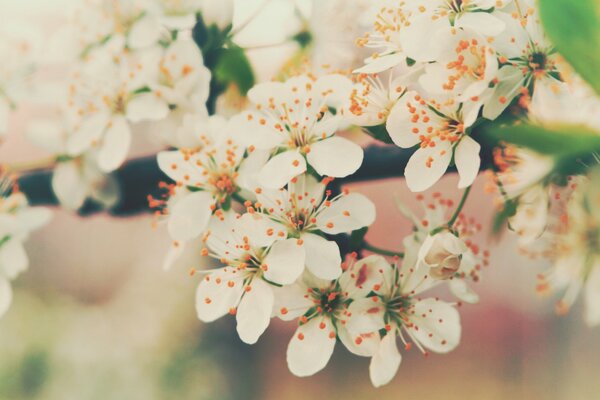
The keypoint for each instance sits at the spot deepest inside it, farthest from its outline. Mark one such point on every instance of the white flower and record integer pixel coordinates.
(95, 27)
(178, 78)
(573, 247)
(371, 99)
(306, 212)
(463, 69)
(565, 103)
(178, 14)
(527, 59)
(255, 260)
(206, 176)
(19, 48)
(522, 178)
(423, 36)
(387, 37)
(74, 179)
(531, 216)
(441, 253)
(219, 12)
(451, 256)
(321, 308)
(17, 221)
(293, 121)
(332, 27)
(106, 100)
(396, 308)
(440, 128)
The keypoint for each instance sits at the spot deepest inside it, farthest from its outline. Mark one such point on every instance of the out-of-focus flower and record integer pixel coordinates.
(293, 121)
(522, 178)
(255, 262)
(219, 12)
(396, 308)
(74, 179)
(105, 99)
(440, 128)
(573, 243)
(19, 46)
(17, 221)
(305, 211)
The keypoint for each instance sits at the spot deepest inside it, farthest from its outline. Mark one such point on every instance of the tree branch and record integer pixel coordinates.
(139, 178)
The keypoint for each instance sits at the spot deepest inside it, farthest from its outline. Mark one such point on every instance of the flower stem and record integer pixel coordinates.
(460, 207)
(383, 252)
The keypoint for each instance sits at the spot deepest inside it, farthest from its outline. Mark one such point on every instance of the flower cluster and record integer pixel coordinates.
(130, 62)
(17, 221)
(451, 64)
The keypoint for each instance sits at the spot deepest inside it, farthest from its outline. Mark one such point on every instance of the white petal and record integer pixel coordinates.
(285, 261)
(147, 107)
(262, 92)
(68, 185)
(427, 166)
(364, 345)
(364, 275)
(173, 254)
(175, 166)
(348, 213)
(322, 256)
(251, 133)
(218, 294)
(115, 145)
(399, 125)
(460, 289)
(382, 63)
(254, 312)
(311, 347)
(88, 133)
(5, 295)
(466, 157)
(592, 297)
(481, 22)
(279, 170)
(13, 259)
(366, 316)
(385, 362)
(4, 113)
(259, 229)
(144, 33)
(436, 325)
(290, 301)
(189, 216)
(335, 156)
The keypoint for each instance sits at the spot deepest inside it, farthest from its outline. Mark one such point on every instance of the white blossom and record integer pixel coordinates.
(293, 121)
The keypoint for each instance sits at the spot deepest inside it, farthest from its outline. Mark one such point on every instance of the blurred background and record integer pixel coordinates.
(96, 317)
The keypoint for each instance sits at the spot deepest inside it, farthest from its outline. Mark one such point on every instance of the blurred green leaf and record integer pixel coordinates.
(233, 67)
(558, 140)
(574, 28)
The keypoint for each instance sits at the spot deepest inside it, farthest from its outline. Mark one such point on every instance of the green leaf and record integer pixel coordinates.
(557, 140)
(233, 67)
(574, 27)
(379, 132)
